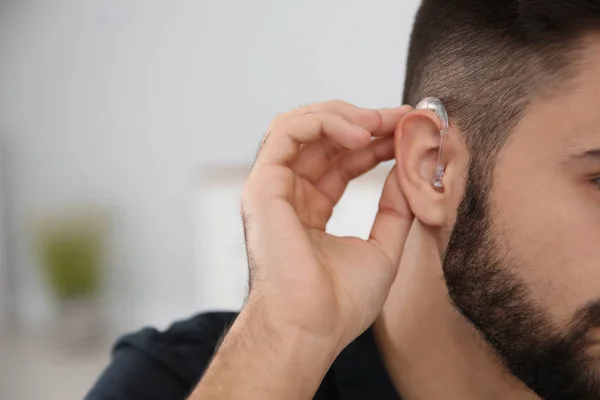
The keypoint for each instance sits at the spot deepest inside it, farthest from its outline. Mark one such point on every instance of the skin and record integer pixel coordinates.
(545, 214)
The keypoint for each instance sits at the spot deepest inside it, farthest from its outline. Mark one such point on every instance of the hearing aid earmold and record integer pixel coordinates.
(436, 105)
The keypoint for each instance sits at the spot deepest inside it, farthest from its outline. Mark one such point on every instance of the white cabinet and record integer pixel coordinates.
(220, 255)
(220, 259)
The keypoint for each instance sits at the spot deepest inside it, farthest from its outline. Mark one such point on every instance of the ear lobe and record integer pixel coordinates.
(417, 143)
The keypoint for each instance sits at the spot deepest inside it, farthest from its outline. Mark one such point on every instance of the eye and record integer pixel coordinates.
(596, 182)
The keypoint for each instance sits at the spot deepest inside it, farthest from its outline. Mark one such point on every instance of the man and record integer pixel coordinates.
(517, 226)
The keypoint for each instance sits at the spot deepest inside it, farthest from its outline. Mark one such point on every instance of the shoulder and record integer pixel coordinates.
(186, 346)
(152, 364)
(200, 331)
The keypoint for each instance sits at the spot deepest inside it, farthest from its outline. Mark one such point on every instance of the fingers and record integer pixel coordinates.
(283, 142)
(308, 124)
(379, 122)
(314, 159)
(364, 117)
(352, 165)
(393, 220)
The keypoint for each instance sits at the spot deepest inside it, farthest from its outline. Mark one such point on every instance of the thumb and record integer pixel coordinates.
(393, 220)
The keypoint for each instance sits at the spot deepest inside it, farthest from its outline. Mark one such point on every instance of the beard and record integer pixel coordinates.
(556, 362)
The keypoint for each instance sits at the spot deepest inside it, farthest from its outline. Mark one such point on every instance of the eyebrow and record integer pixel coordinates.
(593, 154)
(589, 156)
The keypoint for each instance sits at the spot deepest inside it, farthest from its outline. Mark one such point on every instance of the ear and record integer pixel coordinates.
(417, 144)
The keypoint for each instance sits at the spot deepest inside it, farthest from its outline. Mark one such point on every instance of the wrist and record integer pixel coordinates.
(288, 342)
(260, 358)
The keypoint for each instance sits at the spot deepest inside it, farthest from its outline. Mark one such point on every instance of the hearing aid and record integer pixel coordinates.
(436, 105)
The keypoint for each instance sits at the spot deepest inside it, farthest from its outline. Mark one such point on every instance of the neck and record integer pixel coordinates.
(429, 349)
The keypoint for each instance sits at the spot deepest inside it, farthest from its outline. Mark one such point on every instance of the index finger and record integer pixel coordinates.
(388, 120)
(380, 122)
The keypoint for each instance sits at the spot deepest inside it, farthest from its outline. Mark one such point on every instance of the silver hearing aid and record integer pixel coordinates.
(436, 105)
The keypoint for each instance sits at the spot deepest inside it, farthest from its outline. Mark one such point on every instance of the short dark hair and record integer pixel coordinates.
(487, 59)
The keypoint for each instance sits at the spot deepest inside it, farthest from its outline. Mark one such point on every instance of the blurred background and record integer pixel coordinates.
(127, 128)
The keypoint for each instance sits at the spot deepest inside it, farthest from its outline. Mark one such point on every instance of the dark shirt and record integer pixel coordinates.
(167, 365)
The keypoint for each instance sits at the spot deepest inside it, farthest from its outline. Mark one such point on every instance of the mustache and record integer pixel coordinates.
(586, 319)
(589, 315)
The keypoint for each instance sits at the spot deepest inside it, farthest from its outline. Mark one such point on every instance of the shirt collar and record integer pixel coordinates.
(360, 374)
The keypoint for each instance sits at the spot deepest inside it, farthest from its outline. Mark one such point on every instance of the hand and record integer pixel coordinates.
(301, 277)
(310, 293)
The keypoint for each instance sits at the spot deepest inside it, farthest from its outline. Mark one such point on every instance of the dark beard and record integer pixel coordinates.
(552, 361)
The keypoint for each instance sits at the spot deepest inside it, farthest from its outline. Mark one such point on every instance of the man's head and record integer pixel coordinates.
(518, 222)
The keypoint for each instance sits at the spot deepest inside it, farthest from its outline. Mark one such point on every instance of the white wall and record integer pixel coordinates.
(121, 101)
(4, 295)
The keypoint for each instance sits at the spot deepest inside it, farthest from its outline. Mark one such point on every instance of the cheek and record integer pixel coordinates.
(551, 233)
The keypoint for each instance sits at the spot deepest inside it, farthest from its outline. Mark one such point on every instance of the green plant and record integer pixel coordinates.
(70, 249)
